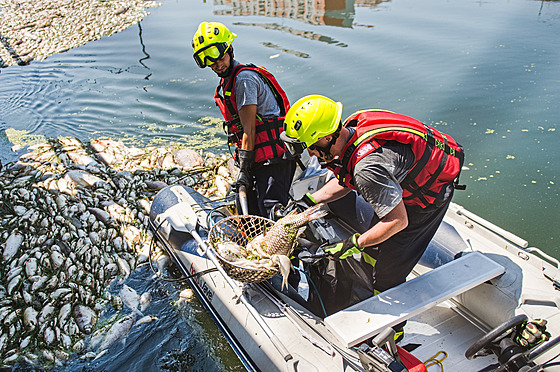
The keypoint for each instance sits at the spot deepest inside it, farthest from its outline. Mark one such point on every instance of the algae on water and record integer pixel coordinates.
(23, 138)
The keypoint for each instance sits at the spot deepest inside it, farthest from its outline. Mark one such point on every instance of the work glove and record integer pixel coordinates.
(532, 333)
(343, 249)
(246, 163)
(305, 202)
(243, 179)
(307, 199)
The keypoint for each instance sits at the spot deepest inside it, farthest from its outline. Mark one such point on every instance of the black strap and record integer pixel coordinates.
(408, 183)
(419, 192)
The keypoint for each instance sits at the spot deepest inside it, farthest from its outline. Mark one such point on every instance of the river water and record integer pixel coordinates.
(486, 72)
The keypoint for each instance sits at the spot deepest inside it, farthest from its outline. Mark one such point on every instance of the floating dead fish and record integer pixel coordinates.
(83, 178)
(146, 319)
(30, 317)
(12, 245)
(185, 296)
(156, 185)
(145, 300)
(85, 318)
(101, 215)
(130, 298)
(188, 158)
(117, 331)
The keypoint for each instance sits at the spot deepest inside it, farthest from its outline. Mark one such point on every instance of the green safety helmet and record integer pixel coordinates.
(210, 43)
(308, 120)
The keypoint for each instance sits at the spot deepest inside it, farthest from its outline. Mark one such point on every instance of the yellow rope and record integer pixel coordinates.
(433, 360)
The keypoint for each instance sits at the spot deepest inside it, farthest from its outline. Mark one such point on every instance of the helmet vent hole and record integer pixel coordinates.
(201, 39)
(216, 31)
(297, 125)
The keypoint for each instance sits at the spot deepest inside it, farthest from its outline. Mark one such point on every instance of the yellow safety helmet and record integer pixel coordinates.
(308, 120)
(210, 43)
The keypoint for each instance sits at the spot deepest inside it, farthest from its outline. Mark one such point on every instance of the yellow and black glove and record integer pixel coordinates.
(532, 333)
(308, 200)
(343, 249)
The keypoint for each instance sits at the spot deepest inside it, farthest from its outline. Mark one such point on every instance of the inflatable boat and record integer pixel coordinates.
(474, 288)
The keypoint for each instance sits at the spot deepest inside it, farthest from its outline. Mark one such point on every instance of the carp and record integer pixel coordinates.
(271, 249)
(281, 237)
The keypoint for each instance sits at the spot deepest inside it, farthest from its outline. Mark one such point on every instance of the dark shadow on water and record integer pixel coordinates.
(147, 56)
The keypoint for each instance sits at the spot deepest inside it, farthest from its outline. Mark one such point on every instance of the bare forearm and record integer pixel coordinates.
(247, 115)
(392, 223)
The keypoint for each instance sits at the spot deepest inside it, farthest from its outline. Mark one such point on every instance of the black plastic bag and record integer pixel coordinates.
(338, 284)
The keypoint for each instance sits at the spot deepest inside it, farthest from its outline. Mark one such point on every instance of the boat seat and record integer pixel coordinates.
(367, 318)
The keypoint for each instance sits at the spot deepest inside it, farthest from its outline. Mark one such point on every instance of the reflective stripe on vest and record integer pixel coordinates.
(438, 158)
(268, 144)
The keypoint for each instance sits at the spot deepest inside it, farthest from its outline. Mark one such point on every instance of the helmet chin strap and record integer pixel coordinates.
(325, 151)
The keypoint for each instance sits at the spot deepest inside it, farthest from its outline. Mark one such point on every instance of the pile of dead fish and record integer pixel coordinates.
(75, 219)
(37, 29)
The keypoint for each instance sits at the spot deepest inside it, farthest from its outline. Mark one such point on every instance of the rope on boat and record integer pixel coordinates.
(435, 361)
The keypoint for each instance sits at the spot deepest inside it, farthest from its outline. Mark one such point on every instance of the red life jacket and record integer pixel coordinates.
(438, 158)
(268, 144)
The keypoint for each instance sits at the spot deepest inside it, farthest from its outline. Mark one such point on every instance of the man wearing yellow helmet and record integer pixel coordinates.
(405, 170)
(253, 105)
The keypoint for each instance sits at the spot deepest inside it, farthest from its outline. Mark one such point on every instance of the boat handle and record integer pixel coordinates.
(545, 256)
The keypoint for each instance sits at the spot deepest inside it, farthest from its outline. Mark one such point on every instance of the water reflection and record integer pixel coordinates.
(292, 31)
(338, 13)
(146, 55)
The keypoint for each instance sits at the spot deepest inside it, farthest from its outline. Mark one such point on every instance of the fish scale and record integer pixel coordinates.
(282, 236)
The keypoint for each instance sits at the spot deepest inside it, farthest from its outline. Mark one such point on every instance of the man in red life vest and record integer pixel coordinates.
(405, 170)
(253, 106)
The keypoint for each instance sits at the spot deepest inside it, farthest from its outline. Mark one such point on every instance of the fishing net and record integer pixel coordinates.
(241, 230)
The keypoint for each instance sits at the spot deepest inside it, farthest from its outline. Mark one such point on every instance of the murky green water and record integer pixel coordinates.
(486, 72)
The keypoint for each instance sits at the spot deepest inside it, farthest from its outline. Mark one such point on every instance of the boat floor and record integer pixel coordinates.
(440, 329)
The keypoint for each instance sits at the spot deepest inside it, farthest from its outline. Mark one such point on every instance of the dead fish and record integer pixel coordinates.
(12, 245)
(233, 252)
(185, 296)
(156, 185)
(130, 298)
(85, 318)
(248, 258)
(145, 300)
(146, 319)
(117, 331)
(30, 317)
(83, 178)
(281, 237)
(102, 216)
(285, 265)
(188, 158)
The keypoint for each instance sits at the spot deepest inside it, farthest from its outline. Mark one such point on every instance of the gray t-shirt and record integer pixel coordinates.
(251, 89)
(378, 175)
